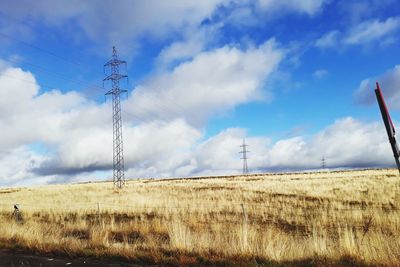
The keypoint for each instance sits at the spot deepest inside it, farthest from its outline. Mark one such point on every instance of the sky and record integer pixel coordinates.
(294, 78)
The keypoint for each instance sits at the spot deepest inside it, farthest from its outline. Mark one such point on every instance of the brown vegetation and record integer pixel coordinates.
(326, 218)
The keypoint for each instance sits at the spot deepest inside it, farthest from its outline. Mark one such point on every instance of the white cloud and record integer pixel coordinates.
(362, 33)
(28, 109)
(349, 142)
(194, 41)
(210, 83)
(220, 152)
(372, 30)
(328, 40)
(390, 84)
(16, 165)
(161, 145)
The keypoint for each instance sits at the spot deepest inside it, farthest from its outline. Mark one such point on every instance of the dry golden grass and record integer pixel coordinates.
(326, 218)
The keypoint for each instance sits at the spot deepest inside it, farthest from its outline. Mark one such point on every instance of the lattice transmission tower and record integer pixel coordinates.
(115, 91)
(244, 156)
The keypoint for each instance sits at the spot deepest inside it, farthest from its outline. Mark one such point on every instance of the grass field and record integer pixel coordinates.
(326, 218)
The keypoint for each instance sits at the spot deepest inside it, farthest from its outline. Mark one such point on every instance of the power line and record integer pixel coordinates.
(168, 104)
(55, 74)
(159, 103)
(29, 25)
(26, 81)
(83, 83)
(138, 118)
(4, 35)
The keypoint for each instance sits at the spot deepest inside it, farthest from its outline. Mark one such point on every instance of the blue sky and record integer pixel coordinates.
(295, 78)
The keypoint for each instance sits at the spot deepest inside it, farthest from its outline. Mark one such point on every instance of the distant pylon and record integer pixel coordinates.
(244, 156)
(118, 150)
(323, 163)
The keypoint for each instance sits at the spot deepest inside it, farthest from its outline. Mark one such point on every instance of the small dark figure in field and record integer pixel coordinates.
(17, 214)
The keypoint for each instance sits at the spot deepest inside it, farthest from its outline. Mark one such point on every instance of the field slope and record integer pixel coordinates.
(322, 218)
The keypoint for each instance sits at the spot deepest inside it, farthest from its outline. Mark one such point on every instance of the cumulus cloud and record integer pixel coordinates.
(213, 82)
(162, 145)
(28, 109)
(352, 143)
(390, 84)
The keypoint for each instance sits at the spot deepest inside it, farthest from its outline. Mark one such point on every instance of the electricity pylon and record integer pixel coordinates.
(244, 156)
(115, 91)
